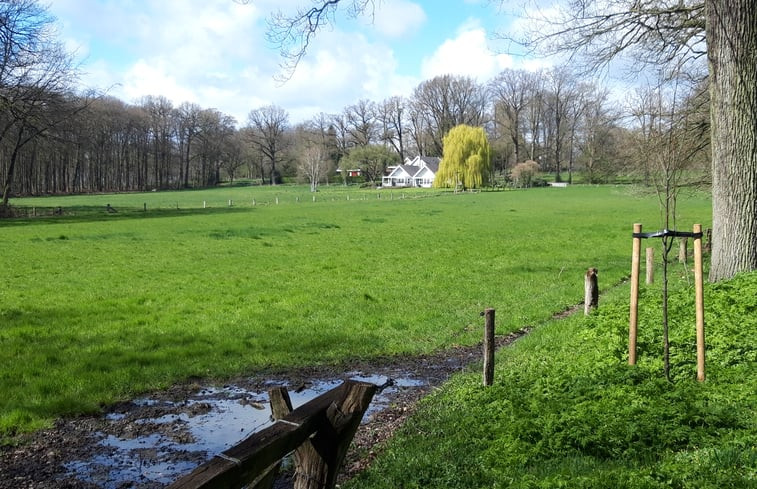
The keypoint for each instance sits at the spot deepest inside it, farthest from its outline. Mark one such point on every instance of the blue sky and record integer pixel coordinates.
(214, 52)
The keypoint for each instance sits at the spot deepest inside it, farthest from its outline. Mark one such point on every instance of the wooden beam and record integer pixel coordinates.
(250, 458)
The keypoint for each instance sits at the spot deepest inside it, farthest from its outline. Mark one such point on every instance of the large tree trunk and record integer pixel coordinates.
(732, 52)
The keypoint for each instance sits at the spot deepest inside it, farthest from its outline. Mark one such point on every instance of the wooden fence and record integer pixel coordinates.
(318, 432)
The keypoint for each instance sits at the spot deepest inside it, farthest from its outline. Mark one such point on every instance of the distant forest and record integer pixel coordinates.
(56, 140)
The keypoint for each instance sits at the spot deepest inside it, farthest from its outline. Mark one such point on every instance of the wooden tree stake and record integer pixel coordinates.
(699, 298)
(489, 347)
(635, 265)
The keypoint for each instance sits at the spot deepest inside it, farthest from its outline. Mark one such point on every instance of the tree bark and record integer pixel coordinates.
(732, 56)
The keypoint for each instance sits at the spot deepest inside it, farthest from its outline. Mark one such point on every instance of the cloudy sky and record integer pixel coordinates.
(215, 53)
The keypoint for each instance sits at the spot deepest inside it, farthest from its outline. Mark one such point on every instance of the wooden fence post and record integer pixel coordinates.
(699, 297)
(650, 266)
(683, 251)
(489, 347)
(320, 458)
(633, 320)
(591, 291)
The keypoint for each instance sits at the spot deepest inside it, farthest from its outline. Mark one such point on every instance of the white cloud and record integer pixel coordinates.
(398, 18)
(467, 54)
(339, 70)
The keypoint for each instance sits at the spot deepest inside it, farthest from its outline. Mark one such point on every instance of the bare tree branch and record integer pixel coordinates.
(292, 34)
(653, 32)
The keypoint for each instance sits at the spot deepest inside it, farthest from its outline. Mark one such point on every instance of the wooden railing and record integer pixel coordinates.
(318, 432)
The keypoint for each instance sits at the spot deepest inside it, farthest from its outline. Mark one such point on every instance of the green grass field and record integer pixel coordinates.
(98, 307)
(566, 410)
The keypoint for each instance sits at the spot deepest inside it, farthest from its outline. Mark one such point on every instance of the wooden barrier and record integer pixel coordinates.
(326, 425)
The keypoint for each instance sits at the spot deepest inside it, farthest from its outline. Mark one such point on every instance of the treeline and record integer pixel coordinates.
(54, 142)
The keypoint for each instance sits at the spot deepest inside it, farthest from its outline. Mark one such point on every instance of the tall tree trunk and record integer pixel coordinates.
(732, 53)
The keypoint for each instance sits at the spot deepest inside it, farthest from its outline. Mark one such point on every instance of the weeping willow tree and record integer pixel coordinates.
(466, 161)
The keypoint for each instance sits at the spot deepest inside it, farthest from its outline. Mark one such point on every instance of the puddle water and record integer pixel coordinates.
(176, 437)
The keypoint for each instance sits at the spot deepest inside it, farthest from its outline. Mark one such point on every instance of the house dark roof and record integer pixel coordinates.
(409, 169)
(430, 159)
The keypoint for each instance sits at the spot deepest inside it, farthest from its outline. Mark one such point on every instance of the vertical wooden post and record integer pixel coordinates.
(650, 266)
(699, 297)
(321, 456)
(591, 291)
(683, 250)
(489, 347)
(633, 320)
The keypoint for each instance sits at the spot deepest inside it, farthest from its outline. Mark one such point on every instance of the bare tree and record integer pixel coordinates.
(511, 91)
(188, 116)
(360, 121)
(447, 101)
(268, 126)
(161, 116)
(391, 114)
(312, 163)
(597, 144)
(36, 77)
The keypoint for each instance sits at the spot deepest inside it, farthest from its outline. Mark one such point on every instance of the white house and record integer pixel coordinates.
(417, 172)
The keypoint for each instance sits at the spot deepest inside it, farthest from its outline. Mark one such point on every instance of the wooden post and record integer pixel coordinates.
(683, 250)
(650, 266)
(633, 320)
(321, 456)
(591, 291)
(489, 347)
(699, 297)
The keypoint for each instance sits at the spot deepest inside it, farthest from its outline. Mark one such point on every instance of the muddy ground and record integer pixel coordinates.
(47, 459)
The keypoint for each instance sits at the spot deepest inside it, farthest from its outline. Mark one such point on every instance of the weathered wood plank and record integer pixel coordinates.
(255, 455)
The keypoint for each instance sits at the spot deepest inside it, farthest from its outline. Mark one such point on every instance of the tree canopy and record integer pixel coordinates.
(466, 160)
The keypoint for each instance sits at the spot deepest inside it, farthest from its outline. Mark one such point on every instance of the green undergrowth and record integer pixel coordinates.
(98, 307)
(566, 409)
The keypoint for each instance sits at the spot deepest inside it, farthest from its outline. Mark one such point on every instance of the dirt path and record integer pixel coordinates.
(87, 452)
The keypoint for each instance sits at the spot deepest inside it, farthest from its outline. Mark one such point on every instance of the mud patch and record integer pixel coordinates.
(147, 443)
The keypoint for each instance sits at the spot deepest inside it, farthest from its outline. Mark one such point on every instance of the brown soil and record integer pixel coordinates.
(39, 461)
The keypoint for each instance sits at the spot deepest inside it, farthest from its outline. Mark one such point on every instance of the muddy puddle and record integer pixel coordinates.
(151, 442)
(148, 443)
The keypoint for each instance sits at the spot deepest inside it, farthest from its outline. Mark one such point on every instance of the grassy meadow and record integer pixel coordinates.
(566, 410)
(98, 307)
